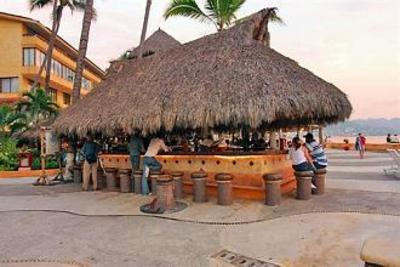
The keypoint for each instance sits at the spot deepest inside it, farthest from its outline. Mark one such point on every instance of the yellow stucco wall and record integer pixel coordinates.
(13, 39)
(10, 50)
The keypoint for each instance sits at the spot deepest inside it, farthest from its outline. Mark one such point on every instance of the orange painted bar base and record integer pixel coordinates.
(247, 170)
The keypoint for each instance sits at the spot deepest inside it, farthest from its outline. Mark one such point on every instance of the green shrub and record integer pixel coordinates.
(51, 164)
(8, 154)
(35, 164)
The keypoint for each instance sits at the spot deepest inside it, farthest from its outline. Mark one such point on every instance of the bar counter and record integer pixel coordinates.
(247, 169)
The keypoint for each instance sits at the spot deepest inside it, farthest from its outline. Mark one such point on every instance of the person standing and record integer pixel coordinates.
(388, 138)
(90, 152)
(316, 152)
(150, 163)
(69, 161)
(360, 144)
(135, 147)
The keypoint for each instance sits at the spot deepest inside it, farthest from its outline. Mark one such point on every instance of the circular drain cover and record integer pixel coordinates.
(40, 263)
(149, 208)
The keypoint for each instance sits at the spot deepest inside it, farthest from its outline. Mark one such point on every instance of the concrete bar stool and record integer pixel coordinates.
(224, 183)
(125, 180)
(273, 196)
(137, 181)
(111, 182)
(199, 180)
(319, 181)
(154, 174)
(165, 192)
(77, 173)
(178, 184)
(101, 179)
(304, 184)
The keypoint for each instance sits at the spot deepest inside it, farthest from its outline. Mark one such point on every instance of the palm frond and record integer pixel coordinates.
(274, 17)
(223, 11)
(185, 8)
(37, 4)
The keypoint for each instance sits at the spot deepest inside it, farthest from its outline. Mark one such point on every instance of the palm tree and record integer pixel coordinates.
(222, 13)
(11, 121)
(83, 43)
(58, 7)
(144, 28)
(37, 106)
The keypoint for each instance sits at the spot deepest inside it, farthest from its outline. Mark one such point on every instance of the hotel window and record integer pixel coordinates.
(66, 99)
(9, 85)
(29, 56)
(53, 94)
(40, 56)
(86, 83)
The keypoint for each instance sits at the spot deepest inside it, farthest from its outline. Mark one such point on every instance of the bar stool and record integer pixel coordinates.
(178, 184)
(319, 181)
(304, 184)
(165, 193)
(199, 180)
(77, 173)
(111, 179)
(101, 179)
(154, 174)
(273, 196)
(125, 180)
(224, 183)
(137, 181)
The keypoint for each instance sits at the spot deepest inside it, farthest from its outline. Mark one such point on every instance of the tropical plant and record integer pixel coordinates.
(11, 121)
(88, 16)
(222, 13)
(37, 106)
(58, 7)
(8, 154)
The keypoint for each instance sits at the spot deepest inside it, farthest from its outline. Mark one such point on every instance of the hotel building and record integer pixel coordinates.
(23, 43)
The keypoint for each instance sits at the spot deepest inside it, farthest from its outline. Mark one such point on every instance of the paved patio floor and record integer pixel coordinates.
(61, 226)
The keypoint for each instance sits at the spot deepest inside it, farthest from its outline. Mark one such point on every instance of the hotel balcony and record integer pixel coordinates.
(56, 82)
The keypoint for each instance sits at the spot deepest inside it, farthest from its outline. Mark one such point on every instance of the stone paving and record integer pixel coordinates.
(63, 225)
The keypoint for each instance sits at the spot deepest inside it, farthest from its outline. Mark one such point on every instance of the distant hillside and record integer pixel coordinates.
(369, 127)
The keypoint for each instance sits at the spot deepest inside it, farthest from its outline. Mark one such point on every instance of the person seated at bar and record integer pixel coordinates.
(395, 139)
(257, 143)
(209, 144)
(301, 160)
(149, 162)
(316, 151)
(135, 147)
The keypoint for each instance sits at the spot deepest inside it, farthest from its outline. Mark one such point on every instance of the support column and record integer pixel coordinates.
(272, 140)
(321, 134)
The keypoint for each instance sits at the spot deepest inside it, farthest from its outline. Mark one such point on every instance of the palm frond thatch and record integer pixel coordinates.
(224, 79)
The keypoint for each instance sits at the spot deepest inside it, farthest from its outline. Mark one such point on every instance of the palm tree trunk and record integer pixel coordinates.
(49, 52)
(80, 64)
(144, 29)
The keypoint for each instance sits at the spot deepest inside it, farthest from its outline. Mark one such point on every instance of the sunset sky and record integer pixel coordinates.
(354, 44)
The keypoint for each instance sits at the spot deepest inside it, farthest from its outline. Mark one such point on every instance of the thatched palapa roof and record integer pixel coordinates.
(229, 78)
(157, 42)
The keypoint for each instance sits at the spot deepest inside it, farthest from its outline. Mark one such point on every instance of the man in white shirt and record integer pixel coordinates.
(150, 162)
